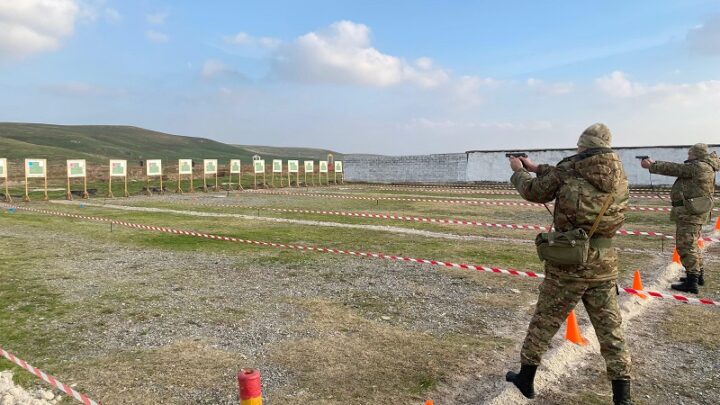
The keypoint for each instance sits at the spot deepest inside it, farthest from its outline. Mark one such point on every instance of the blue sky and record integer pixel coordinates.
(396, 77)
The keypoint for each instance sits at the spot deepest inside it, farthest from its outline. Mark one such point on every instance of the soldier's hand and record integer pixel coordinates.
(646, 163)
(515, 163)
(529, 165)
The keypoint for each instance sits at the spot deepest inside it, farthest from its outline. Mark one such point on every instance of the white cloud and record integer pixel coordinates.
(426, 123)
(244, 39)
(552, 89)
(157, 18)
(156, 37)
(617, 84)
(214, 69)
(343, 53)
(33, 26)
(705, 38)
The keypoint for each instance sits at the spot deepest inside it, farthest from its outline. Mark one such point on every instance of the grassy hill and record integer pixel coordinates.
(97, 143)
(297, 153)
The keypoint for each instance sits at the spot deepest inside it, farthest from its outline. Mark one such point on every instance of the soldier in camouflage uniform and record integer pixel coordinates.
(579, 185)
(695, 178)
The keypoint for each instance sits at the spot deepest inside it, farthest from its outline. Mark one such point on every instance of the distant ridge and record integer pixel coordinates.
(97, 143)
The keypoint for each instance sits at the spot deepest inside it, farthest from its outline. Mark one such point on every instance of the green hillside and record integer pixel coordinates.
(97, 143)
(290, 152)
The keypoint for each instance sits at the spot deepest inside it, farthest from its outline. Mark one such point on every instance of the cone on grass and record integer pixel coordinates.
(717, 224)
(676, 257)
(429, 402)
(638, 285)
(572, 332)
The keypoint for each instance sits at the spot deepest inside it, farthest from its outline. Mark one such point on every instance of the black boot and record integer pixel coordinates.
(689, 285)
(621, 392)
(701, 279)
(524, 380)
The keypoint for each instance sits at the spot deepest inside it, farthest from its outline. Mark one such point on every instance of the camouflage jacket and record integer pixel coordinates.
(695, 178)
(579, 185)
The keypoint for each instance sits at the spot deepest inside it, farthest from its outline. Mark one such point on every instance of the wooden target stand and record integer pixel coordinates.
(125, 191)
(148, 191)
(85, 194)
(257, 158)
(272, 178)
(239, 173)
(7, 197)
(181, 172)
(26, 198)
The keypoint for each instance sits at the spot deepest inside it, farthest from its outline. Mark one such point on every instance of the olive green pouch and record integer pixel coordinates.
(698, 205)
(572, 247)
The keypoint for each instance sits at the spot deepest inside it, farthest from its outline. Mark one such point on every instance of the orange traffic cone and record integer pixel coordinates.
(717, 224)
(573, 330)
(637, 284)
(676, 257)
(701, 243)
(429, 402)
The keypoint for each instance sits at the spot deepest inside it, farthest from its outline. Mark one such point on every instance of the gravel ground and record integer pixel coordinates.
(133, 300)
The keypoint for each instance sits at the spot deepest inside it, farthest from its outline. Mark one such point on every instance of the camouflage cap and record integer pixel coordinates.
(699, 150)
(595, 136)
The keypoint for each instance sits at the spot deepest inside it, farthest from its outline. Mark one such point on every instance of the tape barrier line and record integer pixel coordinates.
(485, 191)
(480, 268)
(437, 200)
(47, 378)
(487, 269)
(443, 221)
(675, 297)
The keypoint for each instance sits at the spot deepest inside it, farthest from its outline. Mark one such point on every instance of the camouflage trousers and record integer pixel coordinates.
(686, 241)
(557, 298)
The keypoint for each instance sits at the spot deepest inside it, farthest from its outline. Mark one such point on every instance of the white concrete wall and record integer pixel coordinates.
(491, 166)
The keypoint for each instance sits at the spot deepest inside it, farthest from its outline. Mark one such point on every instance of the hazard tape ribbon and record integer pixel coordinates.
(483, 191)
(398, 217)
(487, 269)
(48, 378)
(435, 200)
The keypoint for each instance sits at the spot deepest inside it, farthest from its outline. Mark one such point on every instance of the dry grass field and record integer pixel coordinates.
(136, 316)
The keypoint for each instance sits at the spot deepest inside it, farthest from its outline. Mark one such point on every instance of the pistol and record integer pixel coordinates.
(643, 157)
(516, 155)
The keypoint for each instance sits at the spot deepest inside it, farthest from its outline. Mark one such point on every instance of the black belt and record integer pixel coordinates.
(679, 203)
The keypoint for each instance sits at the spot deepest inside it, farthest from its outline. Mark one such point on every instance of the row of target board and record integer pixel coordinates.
(153, 167)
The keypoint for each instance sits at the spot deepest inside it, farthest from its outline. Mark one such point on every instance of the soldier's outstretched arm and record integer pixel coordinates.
(672, 169)
(540, 189)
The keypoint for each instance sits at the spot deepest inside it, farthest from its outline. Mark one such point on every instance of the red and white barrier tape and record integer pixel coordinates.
(434, 200)
(443, 221)
(48, 378)
(511, 272)
(496, 270)
(675, 297)
(485, 191)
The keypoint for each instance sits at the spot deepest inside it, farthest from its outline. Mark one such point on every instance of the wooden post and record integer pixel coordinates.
(161, 185)
(86, 195)
(68, 194)
(217, 187)
(110, 193)
(46, 186)
(27, 196)
(126, 183)
(192, 188)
